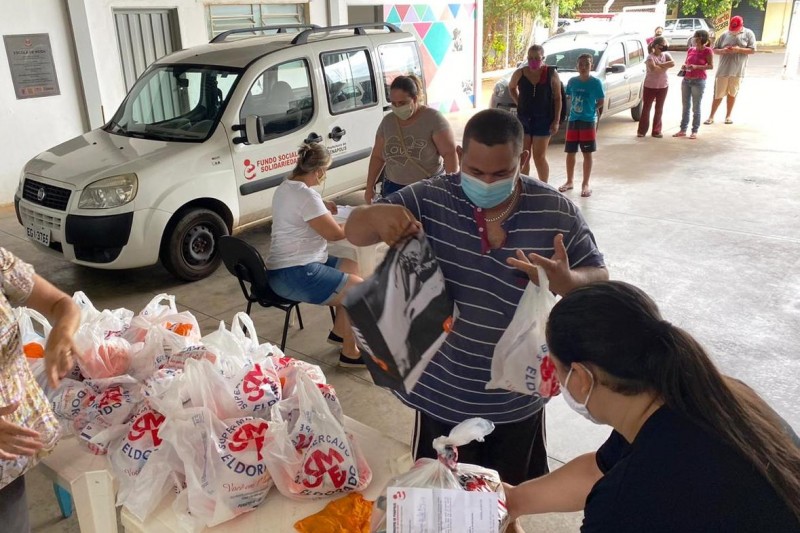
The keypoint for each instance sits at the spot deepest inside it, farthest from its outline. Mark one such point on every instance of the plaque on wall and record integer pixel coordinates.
(30, 59)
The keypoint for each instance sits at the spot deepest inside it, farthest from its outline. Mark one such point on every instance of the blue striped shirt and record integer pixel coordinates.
(485, 289)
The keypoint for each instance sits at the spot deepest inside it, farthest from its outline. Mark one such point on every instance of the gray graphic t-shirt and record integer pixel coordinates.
(419, 159)
(733, 65)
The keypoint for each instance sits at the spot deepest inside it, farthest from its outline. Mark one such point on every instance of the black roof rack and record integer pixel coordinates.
(281, 28)
(358, 29)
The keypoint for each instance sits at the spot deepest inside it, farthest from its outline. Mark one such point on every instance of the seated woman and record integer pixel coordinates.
(298, 262)
(691, 449)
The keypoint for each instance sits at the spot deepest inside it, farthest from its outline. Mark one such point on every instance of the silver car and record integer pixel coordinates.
(618, 63)
(679, 32)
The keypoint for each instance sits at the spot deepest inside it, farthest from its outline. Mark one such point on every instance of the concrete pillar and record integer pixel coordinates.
(86, 63)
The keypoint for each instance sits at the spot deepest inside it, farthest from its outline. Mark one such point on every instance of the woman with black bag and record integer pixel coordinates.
(536, 89)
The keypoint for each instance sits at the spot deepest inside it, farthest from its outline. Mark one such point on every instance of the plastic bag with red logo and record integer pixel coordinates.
(521, 360)
(289, 368)
(249, 391)
(447, 473)
(129, 454)
(102, 416)
(177, 361)
(313, 456)
(102, 352)
(244, 330)
(226, 474)
(152, 315)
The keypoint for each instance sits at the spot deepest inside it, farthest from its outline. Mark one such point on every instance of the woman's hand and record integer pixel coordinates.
(554, 127)
(16, 440)
(332, 207)
(369, 195)
(59, 355)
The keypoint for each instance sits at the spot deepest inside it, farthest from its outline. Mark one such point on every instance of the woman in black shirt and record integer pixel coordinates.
(691, 449)
(536, 89)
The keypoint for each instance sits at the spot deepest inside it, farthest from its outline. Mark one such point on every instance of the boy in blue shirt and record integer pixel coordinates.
(586, 102)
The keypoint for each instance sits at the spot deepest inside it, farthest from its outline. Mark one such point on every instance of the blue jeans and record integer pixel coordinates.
(692, 93)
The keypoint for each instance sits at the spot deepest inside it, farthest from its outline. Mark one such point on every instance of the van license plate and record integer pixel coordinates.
(40, 235)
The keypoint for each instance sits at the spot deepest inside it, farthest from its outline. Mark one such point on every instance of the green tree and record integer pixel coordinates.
(711, 8)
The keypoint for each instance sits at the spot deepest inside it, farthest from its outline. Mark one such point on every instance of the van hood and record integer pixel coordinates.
(99, 154)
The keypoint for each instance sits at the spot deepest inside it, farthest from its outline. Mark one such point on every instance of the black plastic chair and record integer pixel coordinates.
(243, 261)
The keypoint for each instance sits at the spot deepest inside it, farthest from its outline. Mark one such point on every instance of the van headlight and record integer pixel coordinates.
(109, 192)
(500, 89)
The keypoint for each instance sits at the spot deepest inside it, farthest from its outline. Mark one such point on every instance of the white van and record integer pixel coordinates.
(203, 138)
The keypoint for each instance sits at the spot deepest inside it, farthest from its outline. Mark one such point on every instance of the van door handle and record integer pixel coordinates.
(337, 133)
(313, 138)
(387, 108)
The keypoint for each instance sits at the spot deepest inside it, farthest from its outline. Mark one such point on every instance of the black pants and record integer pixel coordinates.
(517, 451)
(14, 507)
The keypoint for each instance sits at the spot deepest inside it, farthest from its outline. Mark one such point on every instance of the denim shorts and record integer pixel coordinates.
(535, 126)
(314, 283)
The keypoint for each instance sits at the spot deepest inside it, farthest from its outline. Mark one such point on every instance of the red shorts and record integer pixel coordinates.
(581, 133)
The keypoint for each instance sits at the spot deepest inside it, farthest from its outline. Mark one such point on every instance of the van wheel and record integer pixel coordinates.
(636, 111)
(189, 250)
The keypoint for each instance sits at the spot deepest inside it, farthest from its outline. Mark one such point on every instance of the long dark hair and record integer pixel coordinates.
(410, 84)
(658, 41)
(618, 328)
(705, 39)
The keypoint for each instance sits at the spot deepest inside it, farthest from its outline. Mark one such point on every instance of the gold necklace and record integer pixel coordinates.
(508, 208)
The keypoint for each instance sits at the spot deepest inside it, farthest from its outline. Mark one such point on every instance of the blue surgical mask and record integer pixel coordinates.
(487, 195)
(579, 408)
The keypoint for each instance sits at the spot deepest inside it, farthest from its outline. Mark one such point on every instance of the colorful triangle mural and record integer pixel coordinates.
(411, 16)
(402, 10)
(420, 9)
(422, 28)
(437, 41)
(446, 14)
(428, 65)
(454, 9)
(429, 16)
(454, 106)
(393, 17)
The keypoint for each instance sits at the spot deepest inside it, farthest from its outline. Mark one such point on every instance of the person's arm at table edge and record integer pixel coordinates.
(563, 490)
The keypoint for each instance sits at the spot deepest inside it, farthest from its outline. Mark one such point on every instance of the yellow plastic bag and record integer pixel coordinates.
(350, 514)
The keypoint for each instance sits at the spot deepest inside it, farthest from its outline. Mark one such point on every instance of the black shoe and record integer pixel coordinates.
(348, 362)
(335, 339)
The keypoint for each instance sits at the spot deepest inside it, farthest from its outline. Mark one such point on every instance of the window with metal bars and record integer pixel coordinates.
(226, 17)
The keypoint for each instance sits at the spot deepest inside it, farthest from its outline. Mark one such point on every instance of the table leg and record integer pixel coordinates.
(64, 500)
(93, 494)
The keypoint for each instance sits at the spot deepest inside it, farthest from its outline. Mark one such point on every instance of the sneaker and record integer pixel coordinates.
(349, 362)
(335, 339)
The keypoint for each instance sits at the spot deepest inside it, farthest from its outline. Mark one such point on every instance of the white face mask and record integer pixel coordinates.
(579, 408)
(403, 112)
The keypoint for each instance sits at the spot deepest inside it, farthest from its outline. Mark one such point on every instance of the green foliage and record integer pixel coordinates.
(567, 8)
(711, 8)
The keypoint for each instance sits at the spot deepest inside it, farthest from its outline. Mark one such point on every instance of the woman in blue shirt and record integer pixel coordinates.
(691, 449)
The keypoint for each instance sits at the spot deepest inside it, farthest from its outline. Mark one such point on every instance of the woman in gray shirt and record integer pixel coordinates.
(413, 142)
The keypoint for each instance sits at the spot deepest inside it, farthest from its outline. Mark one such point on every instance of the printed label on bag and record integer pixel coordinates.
(415, 510)
(245, 481)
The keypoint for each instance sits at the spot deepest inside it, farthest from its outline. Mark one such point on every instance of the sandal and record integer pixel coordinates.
(693, 136)
(680, 134)
(565, 188)
(640, 134)
(728, 121)
(586, 193)
(709, 121)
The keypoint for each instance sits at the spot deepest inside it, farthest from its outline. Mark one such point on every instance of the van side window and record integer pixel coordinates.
(616, 55)
(635, 52)
(348, 80)
(398, 59)
(282, 97)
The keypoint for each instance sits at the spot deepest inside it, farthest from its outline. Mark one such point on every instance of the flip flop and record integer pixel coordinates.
(565, 188)
(693, 136)
(709, 121)
(728, 121)
(640, 134)
(587, 193)
(680, 134)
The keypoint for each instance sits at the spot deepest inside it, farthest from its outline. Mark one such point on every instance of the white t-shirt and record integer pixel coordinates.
(294, 242)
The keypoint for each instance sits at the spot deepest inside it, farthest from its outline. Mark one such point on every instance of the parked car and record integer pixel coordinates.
(618, 62)
(679, 32)
(202, 140)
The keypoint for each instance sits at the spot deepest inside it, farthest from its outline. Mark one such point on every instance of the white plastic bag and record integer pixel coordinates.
(102, 417)
(446, 473)
(248, 391)
(223, 461)
(102, 352)
(313, 456)
(521, 361)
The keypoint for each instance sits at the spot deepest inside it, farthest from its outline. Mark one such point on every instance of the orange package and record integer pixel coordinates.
(349, 514)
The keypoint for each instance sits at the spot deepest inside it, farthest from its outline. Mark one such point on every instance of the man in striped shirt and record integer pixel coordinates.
(488, 227)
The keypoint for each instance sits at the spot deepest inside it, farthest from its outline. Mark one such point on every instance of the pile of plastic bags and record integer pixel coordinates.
(217, 419)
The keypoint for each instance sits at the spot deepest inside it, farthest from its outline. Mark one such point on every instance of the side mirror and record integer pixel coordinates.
(616, 69)
(254, 129)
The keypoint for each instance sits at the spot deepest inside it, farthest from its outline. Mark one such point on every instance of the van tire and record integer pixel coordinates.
(636, 111)
(189, 249)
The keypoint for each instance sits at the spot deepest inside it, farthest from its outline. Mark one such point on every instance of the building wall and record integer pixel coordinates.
(35, 124)
(776, 22)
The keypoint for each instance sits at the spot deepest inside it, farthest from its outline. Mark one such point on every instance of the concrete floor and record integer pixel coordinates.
(710, 228)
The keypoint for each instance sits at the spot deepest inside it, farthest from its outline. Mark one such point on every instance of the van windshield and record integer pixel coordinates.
(175, 103)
